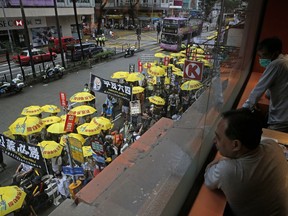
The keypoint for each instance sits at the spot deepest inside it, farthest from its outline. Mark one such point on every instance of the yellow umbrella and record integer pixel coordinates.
(154, 80)
(51, 120)
(120, 75)
(82, 97)
(198, 51)
(74, 135)
(9, 134)
(175, 69)
(145, 65)
(57, 128)
(87, 151)
(81, 111)
(26, 125)
(178, 73)
(63, 117)
(133, 77)
(89, 129)
(102, 122)
(191, 85)
(50, 149)
(159, 55)
(11, 199)
(31, 110)
(137, 89)
(50, 109)
(179, 54)
(156, 71)
(156, 100)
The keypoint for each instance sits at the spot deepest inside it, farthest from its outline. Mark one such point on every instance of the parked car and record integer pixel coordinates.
(74, 51)
(53, 43)
(38, 56)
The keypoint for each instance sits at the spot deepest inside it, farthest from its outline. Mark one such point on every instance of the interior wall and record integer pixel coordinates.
(274, 24)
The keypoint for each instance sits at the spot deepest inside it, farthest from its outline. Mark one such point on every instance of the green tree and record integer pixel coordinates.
(99, 12)
(132, 4)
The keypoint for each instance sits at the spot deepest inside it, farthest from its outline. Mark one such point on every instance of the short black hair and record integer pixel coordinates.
(271, 45)
(244, 125)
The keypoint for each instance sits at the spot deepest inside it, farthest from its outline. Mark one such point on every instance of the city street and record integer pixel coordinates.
(41, 94)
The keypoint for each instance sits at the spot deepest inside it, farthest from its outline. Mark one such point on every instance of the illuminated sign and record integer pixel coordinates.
(18, 23)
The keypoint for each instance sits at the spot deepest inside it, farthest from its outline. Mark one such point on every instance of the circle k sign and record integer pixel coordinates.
(193, 70)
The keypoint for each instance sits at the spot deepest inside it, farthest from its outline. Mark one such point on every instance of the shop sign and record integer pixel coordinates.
(18, 23)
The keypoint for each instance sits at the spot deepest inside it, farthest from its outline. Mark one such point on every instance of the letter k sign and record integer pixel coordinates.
(18, 22)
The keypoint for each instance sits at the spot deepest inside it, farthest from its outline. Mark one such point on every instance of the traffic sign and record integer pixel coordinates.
(193, 70)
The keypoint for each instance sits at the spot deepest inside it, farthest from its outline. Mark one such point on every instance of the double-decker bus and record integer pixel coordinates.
(177, 31)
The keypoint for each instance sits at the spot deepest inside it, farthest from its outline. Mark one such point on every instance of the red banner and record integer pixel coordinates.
(69, 123)
(140, 67)
(63, 100)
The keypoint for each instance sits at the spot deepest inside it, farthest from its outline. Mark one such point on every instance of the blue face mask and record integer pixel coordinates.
(264, 62)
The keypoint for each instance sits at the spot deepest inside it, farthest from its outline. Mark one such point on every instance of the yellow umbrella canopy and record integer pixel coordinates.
(82, 97)
(102, 122)
(120, 75)
(89, 129)
(179, 54)
(26, 125)
(12, 198)
(87, 151)
(81, 111)
(31, 110)
(159, 55)
(156, 71)
(50, 149)
(74, 135)
(191, 85)
(63, 117)
(137, 89)
(145, 65)
(178, 73)
(51, 120)
(156, 100)
(57, 128)
(198, 51)
(133, 77)
(167, 80)
(50, 109)
(9, 134)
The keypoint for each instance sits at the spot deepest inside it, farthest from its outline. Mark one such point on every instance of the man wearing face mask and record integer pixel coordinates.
(274, 80)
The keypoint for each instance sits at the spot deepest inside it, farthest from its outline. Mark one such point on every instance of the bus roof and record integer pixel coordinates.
(175, 18)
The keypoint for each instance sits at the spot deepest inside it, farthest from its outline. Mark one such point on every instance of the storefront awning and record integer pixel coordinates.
(144, 18)
(115, 17)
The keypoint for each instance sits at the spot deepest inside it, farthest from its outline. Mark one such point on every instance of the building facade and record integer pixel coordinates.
(41, 20)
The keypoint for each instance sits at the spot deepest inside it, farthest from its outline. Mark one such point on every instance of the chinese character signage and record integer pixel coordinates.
(69, 123)
(109, 87)
(76, 149)
(23, 152)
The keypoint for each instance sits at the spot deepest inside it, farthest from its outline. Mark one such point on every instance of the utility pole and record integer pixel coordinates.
(59, 34)
(77, 26)
(27, 39)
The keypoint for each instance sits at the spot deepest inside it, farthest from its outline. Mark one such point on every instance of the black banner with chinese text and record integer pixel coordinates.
(109, 87)
(21, 151)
